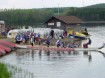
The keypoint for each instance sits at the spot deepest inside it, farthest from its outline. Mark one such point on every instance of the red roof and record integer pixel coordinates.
(69, 19)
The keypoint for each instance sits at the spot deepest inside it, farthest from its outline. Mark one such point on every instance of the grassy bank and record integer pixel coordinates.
(4, 73)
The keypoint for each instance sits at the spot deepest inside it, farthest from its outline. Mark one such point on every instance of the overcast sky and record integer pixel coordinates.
(28, 4)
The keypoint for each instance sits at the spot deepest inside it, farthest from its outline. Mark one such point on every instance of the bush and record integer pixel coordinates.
(4, 73)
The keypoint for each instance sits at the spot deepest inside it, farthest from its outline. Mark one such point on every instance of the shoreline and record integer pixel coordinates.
(52, 43)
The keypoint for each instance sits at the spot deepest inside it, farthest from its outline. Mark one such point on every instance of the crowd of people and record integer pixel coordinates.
(3, 34)
(35, 39)
(74, 44)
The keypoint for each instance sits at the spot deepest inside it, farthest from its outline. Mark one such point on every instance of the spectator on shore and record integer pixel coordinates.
(18, 39)
(52, 34)
(65, 33)
(61, 36)
(32, 40)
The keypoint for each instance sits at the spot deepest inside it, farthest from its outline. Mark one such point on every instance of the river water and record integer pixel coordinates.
(62, 64)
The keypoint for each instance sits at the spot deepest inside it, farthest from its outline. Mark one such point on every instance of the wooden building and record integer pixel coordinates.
(64, 22)
(2, 26)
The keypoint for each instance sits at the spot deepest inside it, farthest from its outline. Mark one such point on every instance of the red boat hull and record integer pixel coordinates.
(8, 43)
(7, 49)
(2, 52)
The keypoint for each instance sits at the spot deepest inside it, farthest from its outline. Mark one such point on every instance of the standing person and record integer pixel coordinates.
(58, 43)
(38, 35)
(48, 42)
(61, 36)
(34, 37)
(32, 40)
(52, 34)
(25, 37)
(85, 31)
(65, 33)
(18, 39)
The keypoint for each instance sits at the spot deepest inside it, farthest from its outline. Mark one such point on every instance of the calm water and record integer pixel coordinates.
(62, 64)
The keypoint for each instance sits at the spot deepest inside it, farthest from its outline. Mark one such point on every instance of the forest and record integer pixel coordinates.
(36, 17)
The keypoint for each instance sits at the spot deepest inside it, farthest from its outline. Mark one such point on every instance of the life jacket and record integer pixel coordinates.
(47, 41)
(85, 45)
(38, 35)
(58, 43)
(32, 39)
(18, 38)
(62, 45)
(68, 45)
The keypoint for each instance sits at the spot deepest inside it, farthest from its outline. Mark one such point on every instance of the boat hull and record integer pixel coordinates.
(54, 48)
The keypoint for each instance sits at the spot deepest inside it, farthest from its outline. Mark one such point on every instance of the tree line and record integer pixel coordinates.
(34, 17)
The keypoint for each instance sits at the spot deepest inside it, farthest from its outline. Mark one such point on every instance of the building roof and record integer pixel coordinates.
(67, 19)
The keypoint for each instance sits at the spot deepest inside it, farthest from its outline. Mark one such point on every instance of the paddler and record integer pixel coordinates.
(69, 45)
(47, 41)
(62, 45)
(58, 43)
(85, 45)
(88, 42)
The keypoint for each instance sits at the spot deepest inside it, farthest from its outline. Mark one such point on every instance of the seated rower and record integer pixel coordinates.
(74, 45)
(62, 45)
(48, 42)
(68, 45)
(58, 43)
(88, 42)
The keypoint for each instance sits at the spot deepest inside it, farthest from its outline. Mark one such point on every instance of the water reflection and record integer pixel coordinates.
(32, 53)
(48, 52)
(90, 58)
(88, 54)
(26, 54)
(50, 64)
(40, 52)
(59, 54)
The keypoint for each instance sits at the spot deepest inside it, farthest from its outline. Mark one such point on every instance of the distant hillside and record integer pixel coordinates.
(36, 17)
(102, 5)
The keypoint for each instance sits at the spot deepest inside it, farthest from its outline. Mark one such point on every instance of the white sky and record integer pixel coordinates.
(28, 4)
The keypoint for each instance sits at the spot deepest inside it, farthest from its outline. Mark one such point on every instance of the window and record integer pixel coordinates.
(58, 24)
(50, 24)
(10, 33)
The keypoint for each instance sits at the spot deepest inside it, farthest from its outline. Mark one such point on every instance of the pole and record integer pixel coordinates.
(58, 9)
